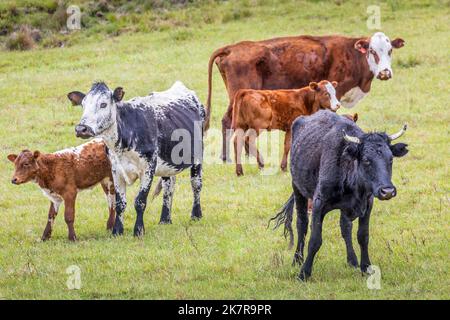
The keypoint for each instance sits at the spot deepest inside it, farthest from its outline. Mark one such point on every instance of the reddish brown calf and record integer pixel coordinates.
(61, 175)
(258, 110)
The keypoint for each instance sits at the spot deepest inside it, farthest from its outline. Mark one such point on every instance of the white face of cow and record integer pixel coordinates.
(99, 109)
(334, 102)
(378, 50)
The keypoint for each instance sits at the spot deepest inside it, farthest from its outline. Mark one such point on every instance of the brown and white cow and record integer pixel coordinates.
(258, 110)
(61, 175)
(293, 62)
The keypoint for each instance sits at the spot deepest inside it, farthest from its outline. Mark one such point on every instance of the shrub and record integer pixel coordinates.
(21, 39)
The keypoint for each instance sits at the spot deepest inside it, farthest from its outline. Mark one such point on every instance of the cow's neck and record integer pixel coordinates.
(365, 78)
(361, 192)
(110, 136)
(44, 172)
(308, 97)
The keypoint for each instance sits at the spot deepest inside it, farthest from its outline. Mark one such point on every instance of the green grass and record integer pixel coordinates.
(230, 253)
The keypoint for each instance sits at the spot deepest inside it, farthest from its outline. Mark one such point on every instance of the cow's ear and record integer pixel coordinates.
(76, 97)
(399, 149)
(118, 94)
(314, 86)
(397, 43)
(36, 154)
(362, 45)
(12, 157)
(334, 83)
(355, 117)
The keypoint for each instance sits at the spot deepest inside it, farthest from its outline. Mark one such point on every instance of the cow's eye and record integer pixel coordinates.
(26, 165)
(366, 162)
(103, 105)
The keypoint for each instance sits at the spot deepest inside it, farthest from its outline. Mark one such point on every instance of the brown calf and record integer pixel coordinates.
(276, 109)
(61, 175)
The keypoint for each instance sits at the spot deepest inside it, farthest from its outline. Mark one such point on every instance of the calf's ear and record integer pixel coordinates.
(75, 97)
(36, 154)
(362, 45)
(12, 157)
(314, 86)
(334, 83)
(397, 43)
(118, 94)
(399, 149)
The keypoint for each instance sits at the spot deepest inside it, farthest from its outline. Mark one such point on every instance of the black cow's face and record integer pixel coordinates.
(374, 154)
(99, 109)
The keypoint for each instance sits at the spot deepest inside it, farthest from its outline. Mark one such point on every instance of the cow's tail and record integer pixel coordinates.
(157, 190)
(237, 105)
(284, 216)
(217, 53)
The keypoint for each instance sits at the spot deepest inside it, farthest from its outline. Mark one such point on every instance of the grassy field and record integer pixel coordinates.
(230, 253)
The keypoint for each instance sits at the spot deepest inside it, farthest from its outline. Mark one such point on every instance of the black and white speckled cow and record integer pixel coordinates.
(160, 134)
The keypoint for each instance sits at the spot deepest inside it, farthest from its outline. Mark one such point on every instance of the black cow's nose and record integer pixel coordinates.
(14, 181)
(387, 193)
(83, 131)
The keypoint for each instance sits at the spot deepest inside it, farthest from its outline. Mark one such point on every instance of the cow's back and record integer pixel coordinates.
(179, 116)
(281, 63)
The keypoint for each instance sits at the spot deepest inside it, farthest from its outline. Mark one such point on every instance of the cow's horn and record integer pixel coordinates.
(398, 134)
(350, 138)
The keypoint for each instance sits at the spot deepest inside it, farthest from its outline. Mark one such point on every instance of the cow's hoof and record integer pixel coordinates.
(298, 260)
(139, 231)
(283, 168)
(239, 173)
(117, 231)
(46, 236)
(165, 221)
(196, 218)
(353, 263)
(73, 238)
(365, 269)
(302, 277)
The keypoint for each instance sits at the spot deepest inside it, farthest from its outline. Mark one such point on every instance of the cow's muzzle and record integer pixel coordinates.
(84, 132)
(386, 193)
(386, 74)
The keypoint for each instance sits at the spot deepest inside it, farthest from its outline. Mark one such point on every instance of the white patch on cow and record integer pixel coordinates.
(352, 97)
(55, 198)
(128, 164)
(381, 44)
(334, 102)
(77, 150)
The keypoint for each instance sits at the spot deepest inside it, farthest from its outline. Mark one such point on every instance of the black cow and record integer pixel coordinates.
(160, 134)
(340, 167)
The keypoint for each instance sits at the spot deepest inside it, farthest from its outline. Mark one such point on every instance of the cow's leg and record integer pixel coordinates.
(253, 134)
(108, 188)
(238, 141)
(140, 203)
(301, 204)
(287, 147)
(69, 213)
(196, 183)
(168, 184)
(363, 238)
(346, 232)
(52, 212)
(226, 126)
(315, 240)
(120, 188)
